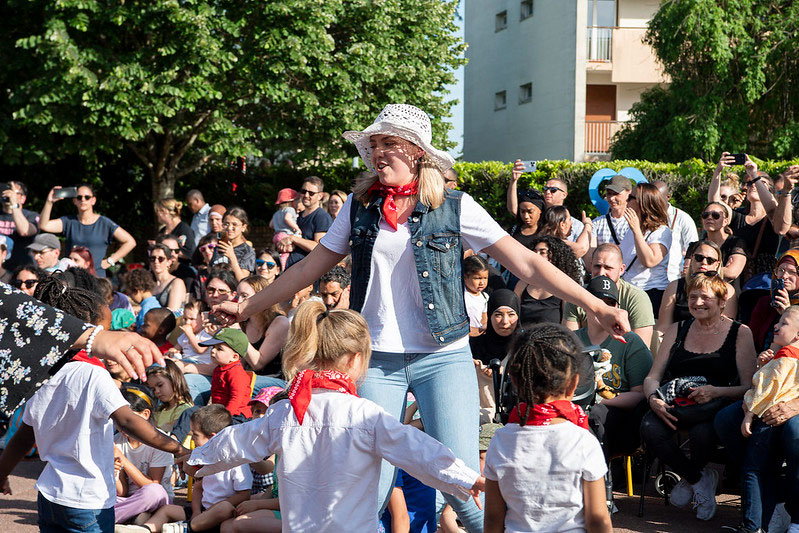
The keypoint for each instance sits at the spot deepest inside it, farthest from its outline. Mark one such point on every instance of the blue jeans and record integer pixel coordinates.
(55, 518)
(445, 387)
(762, 455)
(200, 386)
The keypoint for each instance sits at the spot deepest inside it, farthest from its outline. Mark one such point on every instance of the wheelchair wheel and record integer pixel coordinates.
(665, 482)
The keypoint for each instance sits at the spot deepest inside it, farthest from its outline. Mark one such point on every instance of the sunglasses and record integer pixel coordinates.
(262, 262)
(699, 258)
(212, 290)
(553, 189)
(208, 247)
(309, 193)
(157, 258)
(715, 215)
(29, 283)
(707, 275)
(82, 197)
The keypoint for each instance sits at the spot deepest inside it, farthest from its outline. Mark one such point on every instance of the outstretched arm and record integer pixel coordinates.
(141, 430)
(512, 202)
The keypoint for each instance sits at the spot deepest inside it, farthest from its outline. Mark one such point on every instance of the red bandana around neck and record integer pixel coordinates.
(787, 351)
(389, 207)
(542, 414)
(307, 380)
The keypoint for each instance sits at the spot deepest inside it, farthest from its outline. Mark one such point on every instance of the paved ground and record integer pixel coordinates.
(18, 511)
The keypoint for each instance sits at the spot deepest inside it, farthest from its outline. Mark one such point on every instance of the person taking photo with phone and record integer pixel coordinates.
(784, 293)
(16, 223)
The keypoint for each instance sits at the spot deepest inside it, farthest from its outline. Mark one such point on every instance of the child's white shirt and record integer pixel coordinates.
(333, 459)
(145, 457)
(280, 217)
(223, 485)
(190, 353)
(540, 471)
(70, 416)
(476, 305)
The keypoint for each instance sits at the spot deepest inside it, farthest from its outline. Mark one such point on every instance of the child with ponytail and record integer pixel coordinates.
(329, 440)
(562, 488)
(169, 386)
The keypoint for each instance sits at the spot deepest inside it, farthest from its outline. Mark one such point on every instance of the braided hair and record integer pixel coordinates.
(80, 303)
(542, 364)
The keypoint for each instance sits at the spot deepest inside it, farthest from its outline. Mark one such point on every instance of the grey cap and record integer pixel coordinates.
(619, 183)
(43, 241)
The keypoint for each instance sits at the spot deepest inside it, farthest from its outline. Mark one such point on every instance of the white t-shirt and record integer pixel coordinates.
(223, 485)
(476, 305)
(540, 471)
(145, 457)
(637, 274)
(393, 306)
(75, 436)
(683, 233)
(190, 353)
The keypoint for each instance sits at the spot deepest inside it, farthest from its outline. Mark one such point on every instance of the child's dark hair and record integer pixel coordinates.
(543, 363)
(198, 305)
(172, 373)
(80, 303)
(138, 399)
(211, 419)
(474, 264)
(140, 280)
(106, 289)
(164, 317)
(78, 278)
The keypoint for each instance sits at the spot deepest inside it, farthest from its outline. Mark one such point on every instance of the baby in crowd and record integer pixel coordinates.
(475, 281)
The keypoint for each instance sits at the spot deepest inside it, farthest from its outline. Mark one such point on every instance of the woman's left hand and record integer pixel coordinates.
(614, 321)
(777, 415)
(132, 351)
(105, 264)
(225, 248)
(633, 220)
(704, 394)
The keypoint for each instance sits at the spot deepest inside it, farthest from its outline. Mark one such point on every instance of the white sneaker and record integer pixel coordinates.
(174, 527)
(130, 528)
(705, 494)
(682, 494)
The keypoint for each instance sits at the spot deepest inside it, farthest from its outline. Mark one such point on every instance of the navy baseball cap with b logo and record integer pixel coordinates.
(604, 287)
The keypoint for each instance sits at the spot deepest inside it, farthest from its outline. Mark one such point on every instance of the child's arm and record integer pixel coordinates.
(267, 466)
(195, 344)
(234, 446)
(19, 445)
(764, 357)
(119, 473)
(218, 512)
(291, 221)
(400, 521)
(141, 430)
(197, 498)
(132, 473)
(746, 425)
(484, 321)
(494, 520)
(597, 519)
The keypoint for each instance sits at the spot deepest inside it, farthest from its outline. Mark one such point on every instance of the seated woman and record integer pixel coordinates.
(202, 262)
(170, 291)
(558, 223)
(716, 222)
(765, 315)
(721, 353)
(266, 331)
(267, 264)
(538, 305)
(701, 257)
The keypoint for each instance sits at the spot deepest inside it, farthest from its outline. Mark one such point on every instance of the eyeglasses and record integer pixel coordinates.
(29, 283)
(41, 252)
(553, 190)
(262, 262)
(82, 197)
(175, 251)
(213, 290)
(715, 215)
(208, 247)
(157, 258)
(699, 258)
(782, 271)
(309, 193)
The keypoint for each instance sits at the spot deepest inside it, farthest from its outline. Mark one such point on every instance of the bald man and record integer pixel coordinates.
(683, 232)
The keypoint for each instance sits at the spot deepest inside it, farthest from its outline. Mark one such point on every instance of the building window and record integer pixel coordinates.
(501, 21)
(525, 9)
(525, 93)
(500, 100)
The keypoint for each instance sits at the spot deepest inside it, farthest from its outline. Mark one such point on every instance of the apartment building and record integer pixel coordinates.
(553, 79)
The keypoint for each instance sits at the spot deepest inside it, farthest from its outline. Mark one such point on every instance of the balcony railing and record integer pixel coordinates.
(600, 44)
(598, 135)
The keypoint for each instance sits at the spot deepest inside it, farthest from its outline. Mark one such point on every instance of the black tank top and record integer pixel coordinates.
(718, 367)
(534, 311)
(681, 303)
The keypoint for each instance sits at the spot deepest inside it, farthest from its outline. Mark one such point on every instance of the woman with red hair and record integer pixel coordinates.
(83, 258)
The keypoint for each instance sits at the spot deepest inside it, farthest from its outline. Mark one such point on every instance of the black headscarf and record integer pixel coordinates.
(490, 345)
(534, 197)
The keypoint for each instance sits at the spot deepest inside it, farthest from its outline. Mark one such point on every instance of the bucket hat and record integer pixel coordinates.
(407, 122)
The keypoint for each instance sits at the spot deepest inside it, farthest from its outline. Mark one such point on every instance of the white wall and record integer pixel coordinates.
(636, 13)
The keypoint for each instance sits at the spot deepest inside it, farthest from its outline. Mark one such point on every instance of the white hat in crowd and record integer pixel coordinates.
(407, 122)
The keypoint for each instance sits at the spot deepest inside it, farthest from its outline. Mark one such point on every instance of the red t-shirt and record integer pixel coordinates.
(231, 386)
(164, 348)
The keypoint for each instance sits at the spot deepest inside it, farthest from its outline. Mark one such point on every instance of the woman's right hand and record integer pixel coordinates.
(660, 408)
(518, 170)
(50, 196)
(782, 301)
(227, 313)
(726, 161)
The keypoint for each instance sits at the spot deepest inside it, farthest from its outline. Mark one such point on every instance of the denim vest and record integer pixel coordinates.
(437, 251)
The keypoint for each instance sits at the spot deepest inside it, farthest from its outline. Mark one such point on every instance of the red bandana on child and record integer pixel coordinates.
(787, 351)
(84, 358)
(542, 414)
(307, 380)
(389, 207)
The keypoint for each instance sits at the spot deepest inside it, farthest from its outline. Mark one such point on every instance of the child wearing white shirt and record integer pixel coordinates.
(544, 470)
(475, 281)
(330, 441)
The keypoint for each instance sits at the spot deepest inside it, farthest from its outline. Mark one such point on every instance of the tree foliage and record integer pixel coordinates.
(181, 83)
(733, 65)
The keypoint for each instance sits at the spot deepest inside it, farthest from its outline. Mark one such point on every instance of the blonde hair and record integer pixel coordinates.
(259, 283)
(429, 176)
(171, 205)
(319, 339)
(702, 281)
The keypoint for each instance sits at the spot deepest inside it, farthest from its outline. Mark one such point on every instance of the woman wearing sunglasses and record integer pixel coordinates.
(702, 258)
(88, 229)
(5, 275)
(27, 277)
(715, 221)
(267, 265)
(169, 290)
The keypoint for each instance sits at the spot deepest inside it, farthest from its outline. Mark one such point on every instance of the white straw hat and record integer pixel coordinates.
(407, 122)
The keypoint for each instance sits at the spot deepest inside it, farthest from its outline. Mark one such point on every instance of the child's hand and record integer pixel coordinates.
(248, 506)
(478, 487)
(117, 453)
(764, 357)
(746, 425)
(117, 466)
(5, 486)
(187, 329)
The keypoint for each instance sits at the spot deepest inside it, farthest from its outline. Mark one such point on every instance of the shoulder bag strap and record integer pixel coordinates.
(612, 229)
(759, 237)
(685, 325)
(628, 267)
